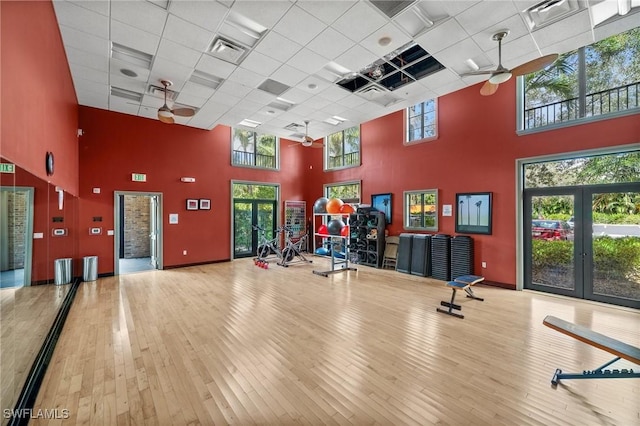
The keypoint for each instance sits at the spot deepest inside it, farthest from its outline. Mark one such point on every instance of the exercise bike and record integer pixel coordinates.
(293, 249)
(268, 246)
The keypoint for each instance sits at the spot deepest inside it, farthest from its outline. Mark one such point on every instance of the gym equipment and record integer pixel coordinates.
(335, 226)
(320, 206)
(620, 349)
(322, 229)
(344, 231)
(334, 205)
(266, 246)
(405, 247)
(293, 249)
(347, 209)
(461, 283)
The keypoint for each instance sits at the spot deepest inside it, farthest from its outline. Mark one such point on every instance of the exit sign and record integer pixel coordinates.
(138, 177)
(7, 168)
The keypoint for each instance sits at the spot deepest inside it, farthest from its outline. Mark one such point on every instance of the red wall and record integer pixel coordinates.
(40, 111)
(476, 151)
(116, 145)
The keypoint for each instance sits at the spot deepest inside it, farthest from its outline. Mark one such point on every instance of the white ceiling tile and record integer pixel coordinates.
(517, 29)
(195, 89)
(90, 74)
(288, 75)
(187, 34)
(191, 100)
(320, 10)
(266, 13)
(82, 19)
(222, 98)
(234, 88)
(563, 30)
(92, 100)
(308, 61)
(359, 21)
(398, 39)
(299, 26)
(178, 53)
(246, 77)
(451, 87)
(442, 36)
(215, 66)
(122, 105)
(152, 101)
(330, 43)
(85, 42)
(334, 93)
(91, 88)
(440, 78)
(135, 38)
(99, 6)
(484, 15)
(169, 70)
(616, 26)
(148, 112)
(116, 66)
(278, 47)
(126, 83)
(259, 63)
(569, 44)
(205, 14)
(319, 82)
(352, 101)
(454, 57)
(296, 95)
(317, 102)
(356, 58)
(304, 109)
(91, 60)
(260, 97)
(140, 14)
(515, 50)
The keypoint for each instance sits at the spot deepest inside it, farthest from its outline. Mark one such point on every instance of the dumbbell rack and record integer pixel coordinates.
(337, 264)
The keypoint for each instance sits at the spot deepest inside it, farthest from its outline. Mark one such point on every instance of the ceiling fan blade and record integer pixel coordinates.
(535, 65)
(168, 120)
(488, 88)
(183, 112)
(470, 73)
(317, 145)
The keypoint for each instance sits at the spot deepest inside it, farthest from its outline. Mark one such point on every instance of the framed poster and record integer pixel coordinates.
(192, 204)
(205, 204)
(382, 203)
(473, 213)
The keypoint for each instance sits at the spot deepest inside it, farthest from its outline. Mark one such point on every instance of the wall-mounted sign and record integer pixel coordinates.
(447, 210)
(7, 168)
(138, 177)
(173, 218)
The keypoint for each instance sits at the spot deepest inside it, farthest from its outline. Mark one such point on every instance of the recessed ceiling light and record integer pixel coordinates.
(128, 72)
(312, 86)
(271, 112)
(384, 41)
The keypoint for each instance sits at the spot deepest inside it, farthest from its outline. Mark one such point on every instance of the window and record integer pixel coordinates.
(349, 192)
(342, 149)
(422, 122)
(594, 81)
(250, 149)
(421, 210)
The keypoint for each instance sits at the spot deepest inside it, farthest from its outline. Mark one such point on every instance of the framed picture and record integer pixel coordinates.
(382, 202)
(192, 204)
(205, 204)
(473, 213)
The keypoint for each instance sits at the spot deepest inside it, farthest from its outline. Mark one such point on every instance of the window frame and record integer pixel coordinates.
(407, 118)
(325, 150)
(326, 186)
(256, 136)
(406, 210)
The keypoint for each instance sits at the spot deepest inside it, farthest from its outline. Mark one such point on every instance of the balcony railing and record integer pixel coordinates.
(599, 103)
(350, 159)
(243, 158)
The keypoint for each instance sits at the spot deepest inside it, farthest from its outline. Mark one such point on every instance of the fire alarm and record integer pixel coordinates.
(187, 179)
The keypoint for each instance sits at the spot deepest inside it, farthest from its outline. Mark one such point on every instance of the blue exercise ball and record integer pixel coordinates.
(335, 226)
(320, 206)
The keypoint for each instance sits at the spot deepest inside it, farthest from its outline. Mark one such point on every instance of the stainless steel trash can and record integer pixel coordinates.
(62, 271)
(90, 268)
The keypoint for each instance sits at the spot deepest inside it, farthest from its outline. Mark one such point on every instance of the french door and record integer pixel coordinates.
(247, 213)
(591, 257)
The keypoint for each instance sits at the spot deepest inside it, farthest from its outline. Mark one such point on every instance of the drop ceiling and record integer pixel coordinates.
(336, 63)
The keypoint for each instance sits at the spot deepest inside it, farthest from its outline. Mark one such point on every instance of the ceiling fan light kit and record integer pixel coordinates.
(166, 114)
(500, 77)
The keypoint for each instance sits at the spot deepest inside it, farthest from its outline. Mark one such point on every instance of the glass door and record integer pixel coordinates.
(613, 268)
(247, 213)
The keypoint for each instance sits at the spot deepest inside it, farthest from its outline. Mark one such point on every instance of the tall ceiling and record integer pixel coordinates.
(278, 62)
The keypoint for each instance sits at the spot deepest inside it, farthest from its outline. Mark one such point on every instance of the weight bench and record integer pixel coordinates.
(620, 349)
(463, 282)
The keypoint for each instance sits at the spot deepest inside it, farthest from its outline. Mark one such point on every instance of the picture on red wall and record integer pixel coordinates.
(205, 204)
(473, 213)
(192, 204)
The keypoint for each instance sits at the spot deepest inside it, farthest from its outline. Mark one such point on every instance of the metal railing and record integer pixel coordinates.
(350, 159)
(243, 158)
(599, 103)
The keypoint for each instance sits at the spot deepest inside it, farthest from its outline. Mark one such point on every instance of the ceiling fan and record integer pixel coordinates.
(502, 74)
(307, 140)
(166, 114)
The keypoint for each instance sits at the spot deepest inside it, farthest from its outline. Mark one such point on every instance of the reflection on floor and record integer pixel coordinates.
(12, 278)
(137, 264)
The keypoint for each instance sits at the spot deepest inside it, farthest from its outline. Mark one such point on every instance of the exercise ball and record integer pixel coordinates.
(347, 209)
(320, 206)
(322, 229)
(344, 231)
(322, 251)
(334, 205)
(335, 226)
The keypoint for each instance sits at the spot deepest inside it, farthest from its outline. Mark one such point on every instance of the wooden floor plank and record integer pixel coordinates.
(230, 343)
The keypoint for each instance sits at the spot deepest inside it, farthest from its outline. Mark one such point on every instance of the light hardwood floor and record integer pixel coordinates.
(233, 343)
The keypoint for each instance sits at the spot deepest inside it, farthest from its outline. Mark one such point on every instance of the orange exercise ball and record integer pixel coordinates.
(334, 205)
(347, 209)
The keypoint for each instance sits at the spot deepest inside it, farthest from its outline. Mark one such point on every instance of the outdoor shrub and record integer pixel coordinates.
(552, 253)
(621, 255)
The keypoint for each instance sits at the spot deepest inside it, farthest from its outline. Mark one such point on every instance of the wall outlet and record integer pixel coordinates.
(484, 264)
(184, 252)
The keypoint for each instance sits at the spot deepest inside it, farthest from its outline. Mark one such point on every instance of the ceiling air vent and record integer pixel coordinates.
(273, 87)
(293, 127)
(227, 50)
(550, 11)
(126, 94)
(392, 7)
(158, 92)
(131, 56)
(205, 79)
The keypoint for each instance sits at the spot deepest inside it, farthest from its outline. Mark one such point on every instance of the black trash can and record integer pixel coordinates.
(90, 268)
